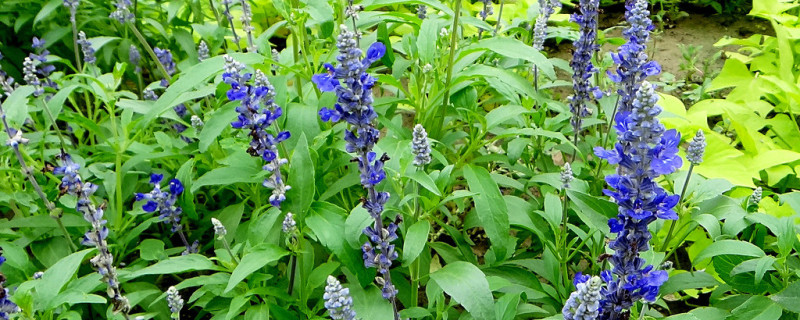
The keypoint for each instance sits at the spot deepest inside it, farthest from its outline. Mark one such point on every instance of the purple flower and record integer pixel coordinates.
(644, 151)
(72, 184)
(86, 47)
(353, 87)
(163, 201)
(585, 48)
(257, 112)
(632, 62)
(165, 58)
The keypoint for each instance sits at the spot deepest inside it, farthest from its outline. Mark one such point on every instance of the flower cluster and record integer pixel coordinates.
(632, 62)
(694, 154)
(566, 175)
(175, 302)
(122, 13)
(488, 9)
(86, 47)
(247, 19)
(585, 48)
(584, 303)
(135, 58)
(165, 58)
(219, 229)
(422, 11)
(257, 113)
(420, 146)
(163, 201)
(72, 184)
(755, 198)
(338, 300)
(379, 253)
(644, 151)
(353, 87)
(547, 8)
(35, 69)
(202, 51)
(7, 307)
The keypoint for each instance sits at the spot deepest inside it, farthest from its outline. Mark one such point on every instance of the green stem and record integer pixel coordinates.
(450, 60)
(672, 222)
(75, 40)
(564, 233)
(499, 16)
(150, 51)
(54, 213)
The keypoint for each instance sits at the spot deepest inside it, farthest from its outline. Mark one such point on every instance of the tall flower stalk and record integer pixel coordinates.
(229, 16)
(72, 5)
(546, 9)
(644, 151)
(694, 154)
(247, 25)
(257, 112)
(353, 87)
(585, 48)
(72, 184)
(633, 65)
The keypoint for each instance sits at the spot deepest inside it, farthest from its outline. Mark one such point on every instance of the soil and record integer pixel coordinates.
(698, 29)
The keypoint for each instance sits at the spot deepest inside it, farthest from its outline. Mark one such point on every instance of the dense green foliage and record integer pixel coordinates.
(487, 229)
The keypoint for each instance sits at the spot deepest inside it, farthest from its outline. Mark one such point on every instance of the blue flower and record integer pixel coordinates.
(72, 184)
(163, 201)
(86, 47)
(632, 62)
(585, 48)
(257, 113)
(644, 151)
(353, 87)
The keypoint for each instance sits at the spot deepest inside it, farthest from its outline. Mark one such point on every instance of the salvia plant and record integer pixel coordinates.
(386, 160)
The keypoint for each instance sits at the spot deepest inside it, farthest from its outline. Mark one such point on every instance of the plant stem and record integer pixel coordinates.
(228, 248)
(54, 213)
(564, 233)
(230, 22)
(453, 37)
(149, 50)
(75, 39)
(672, 222)
(292, 272)
(499, 15)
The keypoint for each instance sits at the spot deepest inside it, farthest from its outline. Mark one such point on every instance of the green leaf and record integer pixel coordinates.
(504, 113)
(301, 177)
(260, 256)
(152, 249)
(173, 265)
(757, 307)
(426, 41)
(516, 49)
(789, 298)
(55, 277)
(467, 285)
(16, 106)
(227, 176)
(414, 242)
(490, 207)
(733, 74)
(425, 181)
(732, 247)
(593, 211)
(195, 76)
(553, 210)
(688, 280)
(215, 123)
